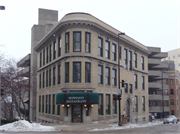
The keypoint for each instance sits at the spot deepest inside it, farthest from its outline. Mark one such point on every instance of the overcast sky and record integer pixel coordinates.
(151, 22)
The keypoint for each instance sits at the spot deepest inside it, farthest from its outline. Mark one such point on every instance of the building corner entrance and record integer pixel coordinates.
(77, 113)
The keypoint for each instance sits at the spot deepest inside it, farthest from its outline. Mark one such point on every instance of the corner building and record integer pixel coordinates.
(77, 72)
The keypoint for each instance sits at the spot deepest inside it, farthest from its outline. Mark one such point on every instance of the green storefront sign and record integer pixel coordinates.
(77, 98)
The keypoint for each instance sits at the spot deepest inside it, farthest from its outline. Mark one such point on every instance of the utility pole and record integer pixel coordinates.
(119, 88)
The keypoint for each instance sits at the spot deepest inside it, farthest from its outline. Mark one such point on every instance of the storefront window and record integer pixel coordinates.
(100, 106)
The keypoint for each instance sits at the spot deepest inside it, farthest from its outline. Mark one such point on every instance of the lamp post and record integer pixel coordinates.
(119, 96)
(162, 96)
(1, 8)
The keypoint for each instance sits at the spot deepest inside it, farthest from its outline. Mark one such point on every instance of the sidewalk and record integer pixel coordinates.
(80, 127)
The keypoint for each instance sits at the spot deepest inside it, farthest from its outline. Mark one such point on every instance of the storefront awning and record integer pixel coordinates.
(77, 98)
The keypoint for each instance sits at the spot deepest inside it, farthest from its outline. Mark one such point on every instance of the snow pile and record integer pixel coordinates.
(23, 125)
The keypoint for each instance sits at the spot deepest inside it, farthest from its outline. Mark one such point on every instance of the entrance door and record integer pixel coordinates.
(77, 113)
(128, 110)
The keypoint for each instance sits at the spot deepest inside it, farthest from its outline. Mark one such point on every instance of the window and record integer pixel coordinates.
(107, 50)
(67, 42)
(100, 47)
(100, 105)
(179, 64)
(58, 109)
(107, 76)
(100, 74)
(130, 60)
(76, 41)
(50, 77)
(54, 50)
(114, 77)
(114, 106)
(178, 55)
(171, 91)
(173, 57)
(143, 83)
(125, 59)
(87, 42)
(126, 88)
(59, 46)
(135, 60)
(67, 72)
(47, 78)
(143, 103)
(107, 104)
(172, 112)
(44, 57)
(119, 52)
(46, 103)
(77, 72)
(130, 88)
(39, 81)
(114, 52)
(54, 76)
(136, 104)
(171, 81)
(43, 104)
(59, 74)
(135, 81)
(172, 102)
(169, 58)
(47, 53)
(142, 62)
(43, 79)
(87, 72)
(39, 103)
(40, 60)
(49, 104)
(50, 52)
(53, 110)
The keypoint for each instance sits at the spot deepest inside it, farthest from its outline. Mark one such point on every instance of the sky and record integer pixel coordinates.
(153, 23)
(23, 125)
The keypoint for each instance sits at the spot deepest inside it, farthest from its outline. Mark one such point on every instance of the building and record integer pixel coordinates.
(174, 85)
(76, 61)
(24, 64)
(174, 55)
(158, 88)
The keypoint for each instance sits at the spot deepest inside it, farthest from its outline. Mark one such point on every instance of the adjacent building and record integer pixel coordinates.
(76, 61)
(158, 88)
(174, 55)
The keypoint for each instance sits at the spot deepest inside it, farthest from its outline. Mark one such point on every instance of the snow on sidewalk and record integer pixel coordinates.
(23, 125)
(128, 126)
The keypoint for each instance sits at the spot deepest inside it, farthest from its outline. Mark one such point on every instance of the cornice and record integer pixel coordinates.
(92, 24)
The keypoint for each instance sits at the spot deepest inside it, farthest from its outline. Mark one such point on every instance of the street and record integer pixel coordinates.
(157, 129)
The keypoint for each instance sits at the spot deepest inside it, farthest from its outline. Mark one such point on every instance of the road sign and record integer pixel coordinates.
(119, 92)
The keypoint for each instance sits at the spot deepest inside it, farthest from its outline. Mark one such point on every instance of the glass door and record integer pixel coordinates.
(77, 113)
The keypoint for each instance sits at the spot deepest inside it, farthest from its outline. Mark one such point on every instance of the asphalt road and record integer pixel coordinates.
(158, 129)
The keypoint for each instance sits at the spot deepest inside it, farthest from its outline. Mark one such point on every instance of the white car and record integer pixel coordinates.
(170, 119)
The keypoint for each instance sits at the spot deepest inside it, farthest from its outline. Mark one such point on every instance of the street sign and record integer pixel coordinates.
(119, 92)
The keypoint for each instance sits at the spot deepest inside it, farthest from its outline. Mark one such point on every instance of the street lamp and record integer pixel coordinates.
(119, 96)
(162, 96)
(1, 8)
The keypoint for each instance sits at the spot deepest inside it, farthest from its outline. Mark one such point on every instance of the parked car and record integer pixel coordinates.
(170, 119)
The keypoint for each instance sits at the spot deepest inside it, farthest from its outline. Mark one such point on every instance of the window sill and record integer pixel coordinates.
(100, 85)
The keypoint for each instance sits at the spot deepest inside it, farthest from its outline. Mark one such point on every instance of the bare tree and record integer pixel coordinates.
(15, 87)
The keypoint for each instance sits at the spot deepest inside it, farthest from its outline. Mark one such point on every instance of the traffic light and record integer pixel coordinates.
(123, 83)
(119, 97)
(115, 96)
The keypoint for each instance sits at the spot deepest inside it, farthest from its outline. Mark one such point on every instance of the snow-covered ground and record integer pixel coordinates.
(128, 126)
(23, 125)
